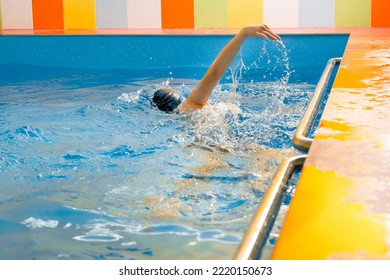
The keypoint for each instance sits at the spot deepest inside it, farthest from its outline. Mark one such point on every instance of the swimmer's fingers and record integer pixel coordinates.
(262, 31)
(266, 32)
(274, 36)
(269, 35)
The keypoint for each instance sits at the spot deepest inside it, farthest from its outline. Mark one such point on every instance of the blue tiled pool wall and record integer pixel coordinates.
(307, 54)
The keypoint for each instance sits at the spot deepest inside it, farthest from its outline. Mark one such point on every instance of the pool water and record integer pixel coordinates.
(89, 169)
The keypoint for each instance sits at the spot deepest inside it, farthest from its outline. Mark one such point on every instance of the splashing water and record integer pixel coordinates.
(277, 62)
(285, 62)
(249, 116)
(244, 116)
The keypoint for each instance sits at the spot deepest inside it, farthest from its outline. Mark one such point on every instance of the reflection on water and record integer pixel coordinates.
(89, 169)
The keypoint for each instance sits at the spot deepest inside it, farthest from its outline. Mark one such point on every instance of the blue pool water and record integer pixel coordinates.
(90, 170)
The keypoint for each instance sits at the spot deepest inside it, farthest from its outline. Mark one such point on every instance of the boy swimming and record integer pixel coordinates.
(168, 100)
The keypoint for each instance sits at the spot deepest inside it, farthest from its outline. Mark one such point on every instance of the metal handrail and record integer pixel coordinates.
(261, 225)
(301, 140)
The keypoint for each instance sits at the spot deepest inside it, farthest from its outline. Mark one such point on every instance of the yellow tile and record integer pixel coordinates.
(323, 223)
(247, 13)
(351, 78)
(79, 14)
(211, 14)
(339, 126)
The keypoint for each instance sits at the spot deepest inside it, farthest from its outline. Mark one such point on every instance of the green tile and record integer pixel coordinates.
(211, 14)
(353, 13)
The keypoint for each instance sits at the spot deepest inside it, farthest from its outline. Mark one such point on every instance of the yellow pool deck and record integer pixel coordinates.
(341, 208)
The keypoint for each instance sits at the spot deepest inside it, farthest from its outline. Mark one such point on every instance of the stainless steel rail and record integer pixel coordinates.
(261, 225)
(262, 222)
(301, 140)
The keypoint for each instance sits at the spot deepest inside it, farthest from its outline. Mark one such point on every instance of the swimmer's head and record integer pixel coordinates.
(167, 99)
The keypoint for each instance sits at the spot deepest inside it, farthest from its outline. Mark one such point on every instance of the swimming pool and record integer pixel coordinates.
(90, 170)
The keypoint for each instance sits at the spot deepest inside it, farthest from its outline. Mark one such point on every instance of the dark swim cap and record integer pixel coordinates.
(166, 99)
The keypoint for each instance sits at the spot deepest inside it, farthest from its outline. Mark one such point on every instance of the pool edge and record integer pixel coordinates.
(340, 208)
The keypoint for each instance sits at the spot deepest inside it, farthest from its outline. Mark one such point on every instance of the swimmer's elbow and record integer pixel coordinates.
(197, 98)
(197, 104)
(200, 103)
(188, 106)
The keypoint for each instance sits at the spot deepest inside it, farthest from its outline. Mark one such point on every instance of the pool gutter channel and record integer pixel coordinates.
(258, 232)
(265, 216)
(301, 141)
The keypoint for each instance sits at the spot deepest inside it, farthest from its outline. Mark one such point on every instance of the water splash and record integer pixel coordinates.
(285, 62)
(277, 63)
(265, 118)
(236, 71)
(255, 115)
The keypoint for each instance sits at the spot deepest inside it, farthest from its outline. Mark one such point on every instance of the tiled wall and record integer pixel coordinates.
(103, 14)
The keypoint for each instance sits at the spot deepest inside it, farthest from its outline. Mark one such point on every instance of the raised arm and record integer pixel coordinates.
(199, 97)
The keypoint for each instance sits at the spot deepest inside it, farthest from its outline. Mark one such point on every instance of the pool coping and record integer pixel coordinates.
(340, 209)
(213, 31)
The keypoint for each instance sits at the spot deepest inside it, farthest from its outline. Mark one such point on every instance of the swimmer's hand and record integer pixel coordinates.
(262, 31)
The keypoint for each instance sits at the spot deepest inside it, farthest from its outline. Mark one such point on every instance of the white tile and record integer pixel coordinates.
(111, 14)
(316, 14)
(144, 13)
(281, 13)
(16, 14)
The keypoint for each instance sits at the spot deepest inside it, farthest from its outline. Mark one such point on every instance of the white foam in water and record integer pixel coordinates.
(34, 223)
(127, 244)
(68, 225)
(130, 97)
(99, 235)
(95, 211)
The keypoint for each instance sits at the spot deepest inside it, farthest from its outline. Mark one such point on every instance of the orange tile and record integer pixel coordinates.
(177, 13)
(48, 14)
(380, 10)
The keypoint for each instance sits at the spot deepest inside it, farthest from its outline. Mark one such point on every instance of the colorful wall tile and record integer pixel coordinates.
(352, 13)
(16, 14)
(319, 13)
(144, 13)
(243, 13)
(177, 13)
(48, 14)
(281, 13)
(79, 14)
(111, 14)
(380, 13)
(211, 14)
(174, 14)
